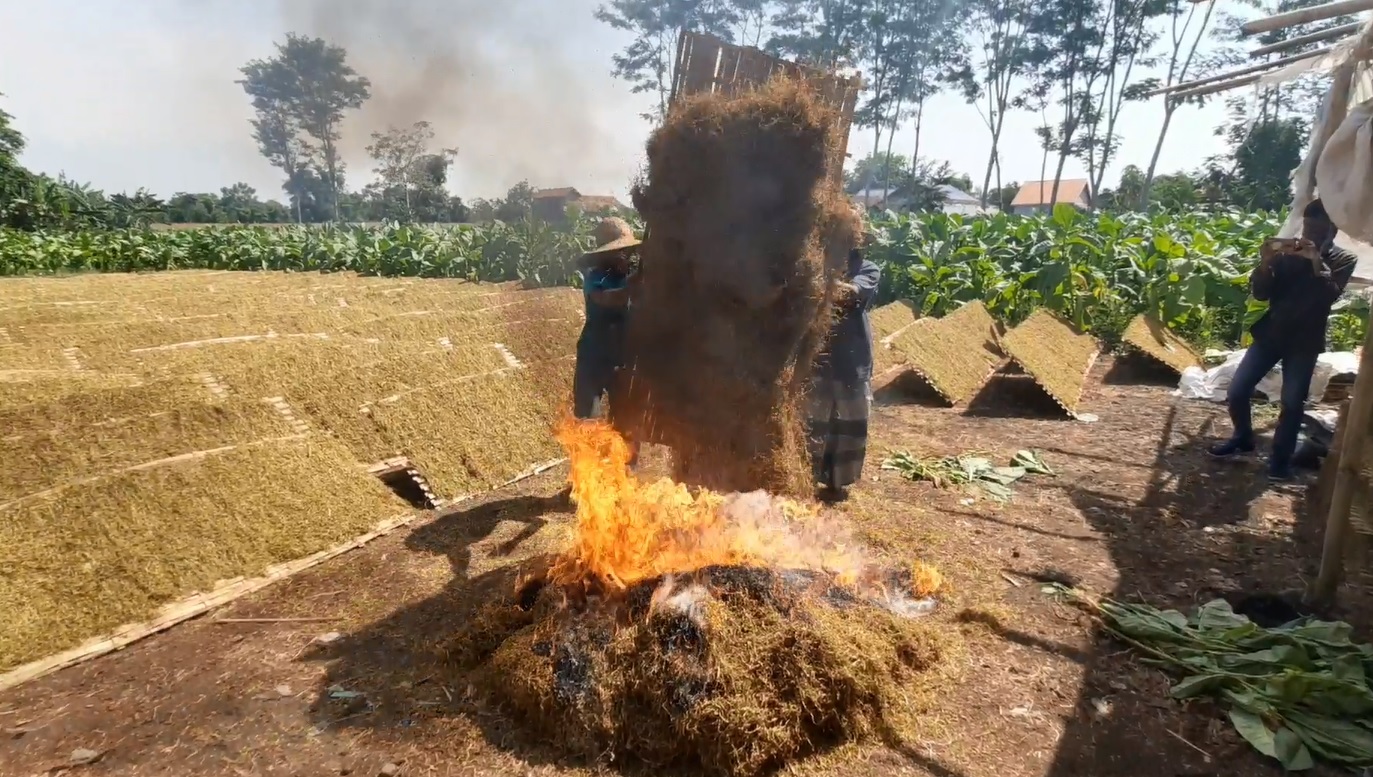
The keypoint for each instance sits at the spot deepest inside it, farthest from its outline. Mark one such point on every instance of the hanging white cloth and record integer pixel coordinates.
(1344, 175)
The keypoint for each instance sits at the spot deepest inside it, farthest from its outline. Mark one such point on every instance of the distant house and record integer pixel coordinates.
(1034, 196)
(958, 201)
(874, 198)
(551, 204)
(955, 200)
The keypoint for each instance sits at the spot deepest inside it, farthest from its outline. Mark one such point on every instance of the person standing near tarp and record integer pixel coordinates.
(1300, 280)
(607, 276)
(841, 388)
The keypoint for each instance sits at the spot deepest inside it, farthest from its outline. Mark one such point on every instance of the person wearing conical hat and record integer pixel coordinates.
(606, 278)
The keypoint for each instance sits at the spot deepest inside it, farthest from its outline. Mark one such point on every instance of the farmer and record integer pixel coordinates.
(841, 388)
(606, 276)
(1299, 279)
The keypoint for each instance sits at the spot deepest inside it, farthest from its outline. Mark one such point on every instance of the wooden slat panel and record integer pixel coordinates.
(706, 64)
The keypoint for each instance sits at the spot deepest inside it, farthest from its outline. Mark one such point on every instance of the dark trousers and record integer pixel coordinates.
(599, 354)
(1298, 365)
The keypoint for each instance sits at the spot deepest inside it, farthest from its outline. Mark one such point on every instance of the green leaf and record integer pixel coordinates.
(1254, 731)
(1197, 685)
(1291, 752)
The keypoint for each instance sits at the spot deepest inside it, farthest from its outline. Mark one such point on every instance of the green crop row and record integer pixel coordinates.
(1097, 269)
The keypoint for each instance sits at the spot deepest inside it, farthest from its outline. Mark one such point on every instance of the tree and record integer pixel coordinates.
(1066, 38)
(518, 203)
(936, 55)
(999, 47)
(1183, 40)
(1263, 164)
(1128, 42)
(411, 177)
(823, 33)
(656, 24)
(1266, 137)
(877, 169)
(304, 91)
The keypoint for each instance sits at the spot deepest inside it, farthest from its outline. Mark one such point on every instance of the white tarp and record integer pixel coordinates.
(1211, 384)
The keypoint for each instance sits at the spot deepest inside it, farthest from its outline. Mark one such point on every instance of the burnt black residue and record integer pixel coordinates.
(764, 586)
(571, 674)
(528, 595)
(678, 632)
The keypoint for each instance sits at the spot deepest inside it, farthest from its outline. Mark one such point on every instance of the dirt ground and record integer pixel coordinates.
(1136, 510)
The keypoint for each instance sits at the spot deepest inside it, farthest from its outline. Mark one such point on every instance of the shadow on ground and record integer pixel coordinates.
(393, 678)
(1014, 395)
(1197, 533)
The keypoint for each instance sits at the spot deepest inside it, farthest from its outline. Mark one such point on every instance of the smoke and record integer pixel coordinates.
(515, 86)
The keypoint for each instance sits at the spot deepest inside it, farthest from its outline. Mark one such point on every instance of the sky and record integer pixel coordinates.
(142, 93)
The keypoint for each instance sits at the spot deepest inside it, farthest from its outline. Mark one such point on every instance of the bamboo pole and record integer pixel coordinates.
(1306, 16)
(1224, 86)
(1302, 40)
(1260, 68)
(1321, 591)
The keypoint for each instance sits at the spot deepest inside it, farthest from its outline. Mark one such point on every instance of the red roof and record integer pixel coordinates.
(1039, 192)
(556, 194)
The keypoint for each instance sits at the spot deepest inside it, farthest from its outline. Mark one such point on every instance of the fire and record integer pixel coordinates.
(629, 530)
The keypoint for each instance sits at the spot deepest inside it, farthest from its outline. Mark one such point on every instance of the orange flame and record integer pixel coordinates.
(629, 530)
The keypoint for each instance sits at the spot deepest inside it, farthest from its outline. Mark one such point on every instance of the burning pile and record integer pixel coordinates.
(743, 235)
(729, 634)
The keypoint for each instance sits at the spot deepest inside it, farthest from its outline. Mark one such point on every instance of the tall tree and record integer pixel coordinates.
(407, 170)
(999, 55)
(1188, 24)
(824, 33)
(656, 24)
(1067, 38)
(1126, 50)
(305, 89)
(937, 55)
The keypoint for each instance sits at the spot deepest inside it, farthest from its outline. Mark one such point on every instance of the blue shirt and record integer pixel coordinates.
(601, 279)
(847, 355)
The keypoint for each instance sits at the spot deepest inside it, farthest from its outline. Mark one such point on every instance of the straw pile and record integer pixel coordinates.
(1147, 336)
(742, 236)
(955, 354)
(1054, 354)
(729, 671)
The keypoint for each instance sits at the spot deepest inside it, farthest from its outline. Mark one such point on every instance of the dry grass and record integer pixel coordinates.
(81, 561)
(1055, 354)
(23, 388)
(889, 322)
(1151, 338)
(104, 376)
(74, 452)
(748, 678)
(472, 435)
(955, 354)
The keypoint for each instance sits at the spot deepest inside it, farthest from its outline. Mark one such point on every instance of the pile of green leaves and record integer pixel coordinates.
(1296, 692)
(975, 473)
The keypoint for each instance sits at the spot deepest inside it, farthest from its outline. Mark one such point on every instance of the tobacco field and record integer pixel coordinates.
(1097, 269)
